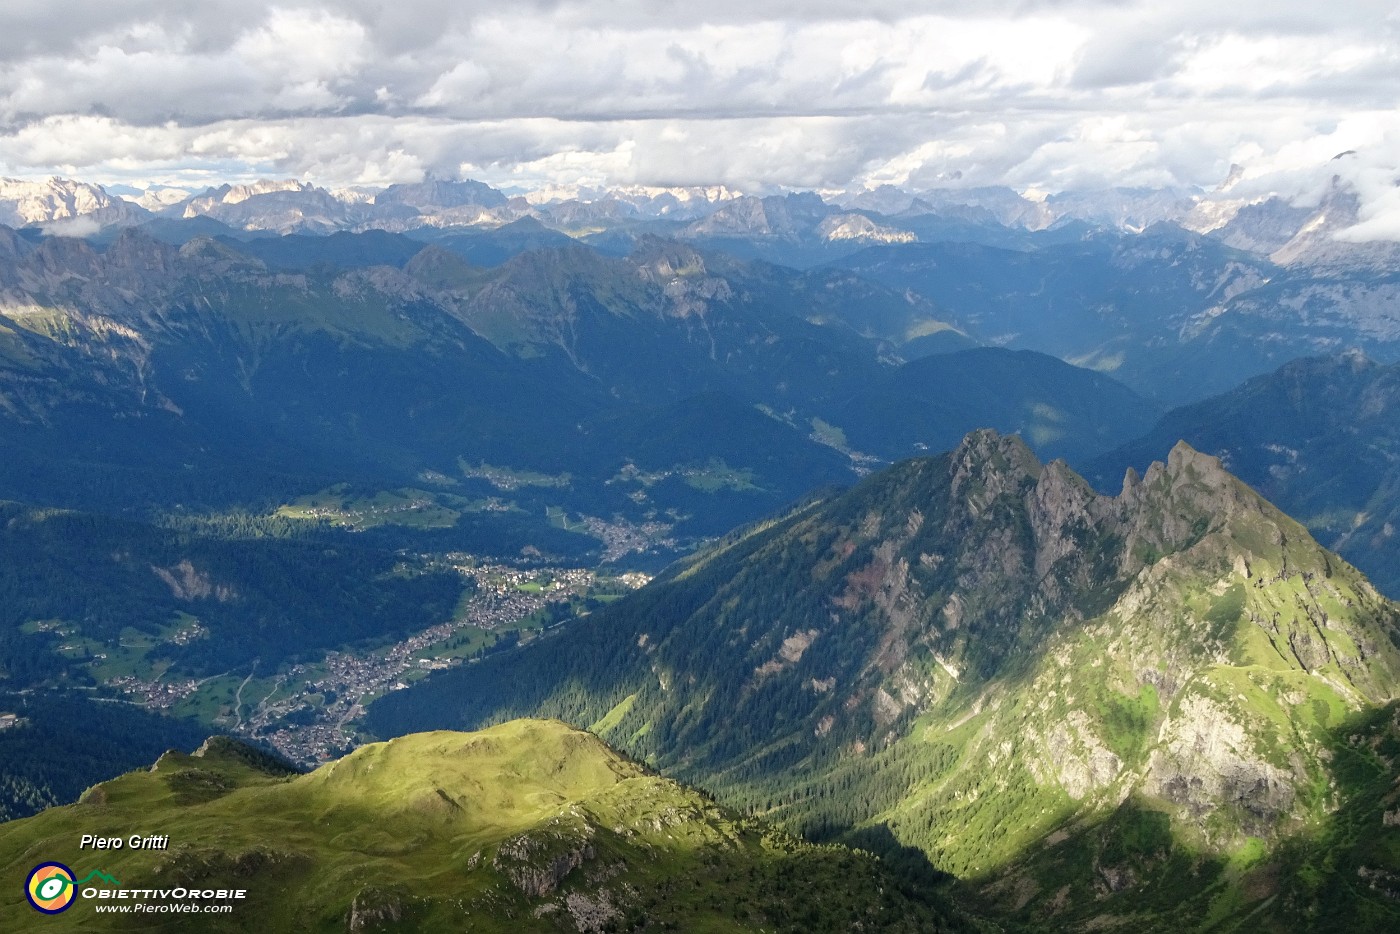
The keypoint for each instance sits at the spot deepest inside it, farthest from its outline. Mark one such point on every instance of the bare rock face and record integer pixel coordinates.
(30, 202)
(1064, 514)
(1074, 757)
(1208, 763)
(537, 861)
(861, 228)
(188, 583)
(591, 915)
(987, 465)
(374, 909)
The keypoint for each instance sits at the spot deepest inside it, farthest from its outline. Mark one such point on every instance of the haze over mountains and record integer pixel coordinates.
(1267, 224)
(597, 467)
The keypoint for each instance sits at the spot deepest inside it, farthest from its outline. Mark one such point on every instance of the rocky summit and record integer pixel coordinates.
(1164, 707)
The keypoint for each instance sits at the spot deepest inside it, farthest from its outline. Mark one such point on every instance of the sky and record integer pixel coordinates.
(754, 94)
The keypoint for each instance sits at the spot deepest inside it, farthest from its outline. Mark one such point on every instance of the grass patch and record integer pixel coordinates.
(717, 476)
(406, 507)
(612, 718)
(1130, 722)
(560, 520)
(826, 433)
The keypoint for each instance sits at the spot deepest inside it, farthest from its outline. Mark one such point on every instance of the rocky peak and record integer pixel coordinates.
(661, 260)
(1177, 502)
(1314, 243)
(65, 257)
(1185, 462)
(234, 194)
(1062, 508)
(136, 251)
(988, 465)
(787, 217)
(437, 193)
(1082, 544)
(745, 215)
(211, 257)
(683, 274)
(39, 202)
(12, 245)
(860, 227)
(1173, 505)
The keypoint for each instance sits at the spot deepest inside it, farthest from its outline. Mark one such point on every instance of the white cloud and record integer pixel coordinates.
(1030, 93)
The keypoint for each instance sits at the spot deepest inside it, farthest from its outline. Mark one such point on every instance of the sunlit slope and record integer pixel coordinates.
(528, 826)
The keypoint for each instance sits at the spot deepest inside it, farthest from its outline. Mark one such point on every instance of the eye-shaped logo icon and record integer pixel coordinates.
(50, 888)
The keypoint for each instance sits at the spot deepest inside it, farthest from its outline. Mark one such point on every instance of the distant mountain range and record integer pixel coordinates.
(223, 372)
(248, 428)
(149, 359)
(1179, 294)
(1261, 224)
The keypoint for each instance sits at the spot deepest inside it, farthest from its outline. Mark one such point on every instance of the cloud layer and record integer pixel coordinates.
(821, 93)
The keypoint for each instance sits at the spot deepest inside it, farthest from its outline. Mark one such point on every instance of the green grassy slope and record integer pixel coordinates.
(528, 826)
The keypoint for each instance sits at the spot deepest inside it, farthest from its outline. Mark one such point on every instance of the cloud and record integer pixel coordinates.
(79, 227)
(762, 93)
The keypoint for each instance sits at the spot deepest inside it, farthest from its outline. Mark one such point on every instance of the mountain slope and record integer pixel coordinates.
(528, 826)
(147, 374)
(64, 742)
(931, 403)
(980, 657)
(74, 586)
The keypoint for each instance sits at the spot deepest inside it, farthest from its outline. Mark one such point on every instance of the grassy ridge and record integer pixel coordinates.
(527, 826)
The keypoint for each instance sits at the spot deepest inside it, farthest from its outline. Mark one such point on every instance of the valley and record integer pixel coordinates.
(309, 711)
(650, 468)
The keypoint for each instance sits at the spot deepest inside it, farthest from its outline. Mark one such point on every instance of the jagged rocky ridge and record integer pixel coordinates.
(1318, 437)
(1260, 223)
(979, 657)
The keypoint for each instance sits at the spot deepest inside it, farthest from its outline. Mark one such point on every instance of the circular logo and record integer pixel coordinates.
(50, 888)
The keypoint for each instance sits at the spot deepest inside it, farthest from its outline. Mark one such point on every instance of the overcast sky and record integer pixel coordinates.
(1048, 94)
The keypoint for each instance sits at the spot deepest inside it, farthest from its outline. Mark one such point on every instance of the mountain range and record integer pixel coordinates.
(1126, 712)
(150, 369)
(1179, 294)
(1259, 223)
